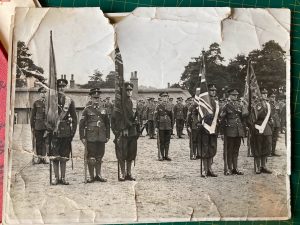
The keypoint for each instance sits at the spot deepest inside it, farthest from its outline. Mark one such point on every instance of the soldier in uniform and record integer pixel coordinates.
(209, 141)
(171, 105)
(194, 129)
(233, 114)
(62, 137)
(150, 117)
(275, 112)
(109, 107)
(94, 131)
(261, 132)
(126, 137)
(164, 123)
(187, 110)
(179, 116)
(38, 125)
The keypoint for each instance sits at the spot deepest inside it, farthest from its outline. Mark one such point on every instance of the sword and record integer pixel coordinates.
(85, 163)
(158, 146)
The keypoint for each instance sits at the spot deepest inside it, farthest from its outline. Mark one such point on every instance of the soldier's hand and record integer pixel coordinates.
(156, 130)
(189, 129)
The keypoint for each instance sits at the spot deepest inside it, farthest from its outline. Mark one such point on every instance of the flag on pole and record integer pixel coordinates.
(202, 98)
(252, 90)
(52, 98)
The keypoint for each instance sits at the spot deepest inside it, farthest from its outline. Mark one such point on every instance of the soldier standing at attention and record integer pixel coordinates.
(179, 116)
(233, 114)
(194, 129)
(62, 137)
(94, 131)
(164, 124)
(150, 117)
(209, 141)
(38, 125)
(275, 112)
(126, 137)
(261, 131)
(109, 107)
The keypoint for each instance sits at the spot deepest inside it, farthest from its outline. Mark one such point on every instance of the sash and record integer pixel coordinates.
(211, 128)
(262, 127)
(64, 112)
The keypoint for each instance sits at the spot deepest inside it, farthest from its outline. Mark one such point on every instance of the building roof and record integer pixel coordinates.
(25, 97)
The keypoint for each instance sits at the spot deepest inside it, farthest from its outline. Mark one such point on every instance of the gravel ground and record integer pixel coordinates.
(163, 191)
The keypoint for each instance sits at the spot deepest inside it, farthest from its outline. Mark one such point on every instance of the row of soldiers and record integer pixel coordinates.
(228, 118)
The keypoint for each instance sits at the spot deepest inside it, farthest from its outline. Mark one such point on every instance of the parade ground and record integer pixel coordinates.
(163, 191)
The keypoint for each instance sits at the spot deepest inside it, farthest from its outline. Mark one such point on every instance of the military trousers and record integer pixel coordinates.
(232, 151)
(196, 142)
(208, 144)
(126, 148)
(40, 142)
(151, 128)
(261, 145)
(275, 133)
(95, 150)
(164, 142)
(179, 126)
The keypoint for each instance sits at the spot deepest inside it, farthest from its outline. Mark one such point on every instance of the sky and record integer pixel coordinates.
(156, 42)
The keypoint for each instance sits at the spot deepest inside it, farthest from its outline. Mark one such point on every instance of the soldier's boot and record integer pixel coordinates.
(129, 175)
(162, 152)
(178, 133)
(56, 172)
(91, 167)
(167, 153)
(205, 168)
(98, 172)
(122, 167)
(263, 166)
(210, 172)
(257, 161)
(235, 164)
(63, 165)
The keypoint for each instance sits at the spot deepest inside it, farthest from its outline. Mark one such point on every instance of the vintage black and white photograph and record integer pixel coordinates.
(158, 115)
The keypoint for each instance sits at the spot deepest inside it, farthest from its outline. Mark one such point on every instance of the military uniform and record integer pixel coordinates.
(61, 138)
(126, 137)
(179, 117)
(275, 115)
(150, 118)
(94, 130)
(38, 126)
(261, 143)
(194, 129)
(233, 114)
(208, 140)
(164, 124)
(109, 107)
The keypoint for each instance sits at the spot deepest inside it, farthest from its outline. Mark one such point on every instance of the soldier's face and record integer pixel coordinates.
(212, 93)
(95, 100)
(164, 98)
(233, 97)
(129, 93)
(264, 96)
(61, 89)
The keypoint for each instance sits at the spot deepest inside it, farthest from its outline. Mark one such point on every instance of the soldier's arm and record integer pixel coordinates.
(156, 117)
(32, 116)
(223, 112)
(82, 124)
(74, 117)
(107, 125)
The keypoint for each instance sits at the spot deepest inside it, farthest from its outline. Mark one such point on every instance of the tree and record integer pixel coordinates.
(110, 80)
(97, 76)
(26, 67)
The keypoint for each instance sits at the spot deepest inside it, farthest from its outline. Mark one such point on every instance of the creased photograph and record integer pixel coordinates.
(158, 115)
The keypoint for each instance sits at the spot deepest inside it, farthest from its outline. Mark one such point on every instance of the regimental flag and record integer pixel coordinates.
(120, 92)
(52, 98)
(202, 98)
(252, 90)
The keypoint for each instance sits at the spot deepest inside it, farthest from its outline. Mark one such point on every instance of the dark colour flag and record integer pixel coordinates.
(120, 93)
(252, 90)
(52, 99)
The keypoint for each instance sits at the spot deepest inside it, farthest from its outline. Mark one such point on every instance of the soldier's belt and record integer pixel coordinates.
(94, 124)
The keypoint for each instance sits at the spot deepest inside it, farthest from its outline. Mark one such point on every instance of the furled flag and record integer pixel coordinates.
(252, 91)
(202, 98)
(52, 99)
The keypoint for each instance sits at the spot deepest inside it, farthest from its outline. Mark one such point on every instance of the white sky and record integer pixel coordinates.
(157, 42)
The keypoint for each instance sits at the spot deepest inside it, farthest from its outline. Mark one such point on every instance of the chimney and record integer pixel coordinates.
(62, 76)
(65, 76)
(72, 81)
(168, 85)
(134, 81)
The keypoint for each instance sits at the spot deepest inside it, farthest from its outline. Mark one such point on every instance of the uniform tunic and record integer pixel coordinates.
(61, 140)
(94, 126)
(38, 124)
(126, 134)
(179, 116)
(194, 123)
(150, 110)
